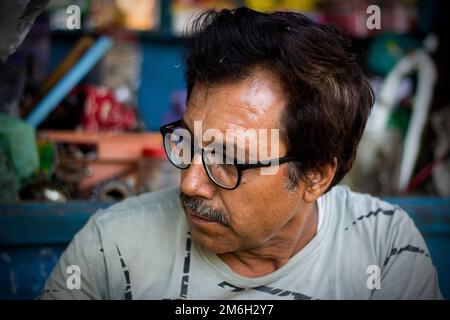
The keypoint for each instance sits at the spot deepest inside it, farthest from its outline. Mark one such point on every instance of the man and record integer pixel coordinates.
(232, 231)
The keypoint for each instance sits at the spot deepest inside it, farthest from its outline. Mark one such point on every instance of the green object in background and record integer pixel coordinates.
(18, 142)
(387, 49)
(399, 119)
(47, 154)
(9, 181)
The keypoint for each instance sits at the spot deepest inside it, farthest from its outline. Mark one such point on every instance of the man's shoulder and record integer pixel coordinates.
(370, 221)
(150, 210)
(374, 232)
(357, 209)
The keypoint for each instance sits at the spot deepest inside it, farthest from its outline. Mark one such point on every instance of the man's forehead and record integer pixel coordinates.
(255, 102)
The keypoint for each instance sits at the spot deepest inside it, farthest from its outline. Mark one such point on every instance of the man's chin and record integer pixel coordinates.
(215, 244)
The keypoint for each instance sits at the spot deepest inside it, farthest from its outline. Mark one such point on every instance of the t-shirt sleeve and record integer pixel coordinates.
(81, 270)
(407, 271)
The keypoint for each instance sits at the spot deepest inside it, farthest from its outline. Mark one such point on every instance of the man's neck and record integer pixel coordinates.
(294, 236)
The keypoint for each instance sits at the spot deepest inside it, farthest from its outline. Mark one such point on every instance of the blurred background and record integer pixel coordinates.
(85, 86)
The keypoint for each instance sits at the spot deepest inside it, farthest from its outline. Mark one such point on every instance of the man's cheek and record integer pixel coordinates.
(253, 225)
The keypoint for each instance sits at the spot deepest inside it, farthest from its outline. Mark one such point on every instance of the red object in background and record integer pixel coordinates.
(102, 112)
(158, 153)
(399, 17)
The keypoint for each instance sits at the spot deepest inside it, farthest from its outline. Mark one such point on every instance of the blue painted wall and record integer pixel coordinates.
(162, 73)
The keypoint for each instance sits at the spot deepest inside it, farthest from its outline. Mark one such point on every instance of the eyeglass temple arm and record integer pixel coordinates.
(261, 165)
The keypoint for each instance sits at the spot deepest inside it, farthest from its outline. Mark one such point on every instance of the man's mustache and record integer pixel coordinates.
(201, 208)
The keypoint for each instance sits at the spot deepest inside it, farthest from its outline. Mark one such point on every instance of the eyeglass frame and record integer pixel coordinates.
(169, 129)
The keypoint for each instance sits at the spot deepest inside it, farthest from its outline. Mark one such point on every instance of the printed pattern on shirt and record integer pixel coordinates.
(373, 214)
(266, 289)
(410, 248)
(127, 295)
(186, 268)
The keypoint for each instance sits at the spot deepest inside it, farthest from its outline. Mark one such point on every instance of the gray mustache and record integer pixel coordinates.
(203, 209)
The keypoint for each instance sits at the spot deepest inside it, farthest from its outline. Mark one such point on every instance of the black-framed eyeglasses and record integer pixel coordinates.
(225, 174)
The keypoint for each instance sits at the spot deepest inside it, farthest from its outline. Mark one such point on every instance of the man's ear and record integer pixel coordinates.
(318, 181)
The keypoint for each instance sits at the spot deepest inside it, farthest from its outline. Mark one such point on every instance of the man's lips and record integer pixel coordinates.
(197, 218)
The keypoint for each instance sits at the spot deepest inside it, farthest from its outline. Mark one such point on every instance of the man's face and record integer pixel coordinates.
(257, 211)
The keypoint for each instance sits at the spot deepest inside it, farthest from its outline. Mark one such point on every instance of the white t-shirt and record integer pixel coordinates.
(141, 249)
(320, 212)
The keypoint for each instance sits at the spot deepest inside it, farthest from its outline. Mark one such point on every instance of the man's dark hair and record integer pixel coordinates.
(328, 96)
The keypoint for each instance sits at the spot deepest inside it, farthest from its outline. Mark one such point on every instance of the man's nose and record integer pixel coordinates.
(195, 180)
